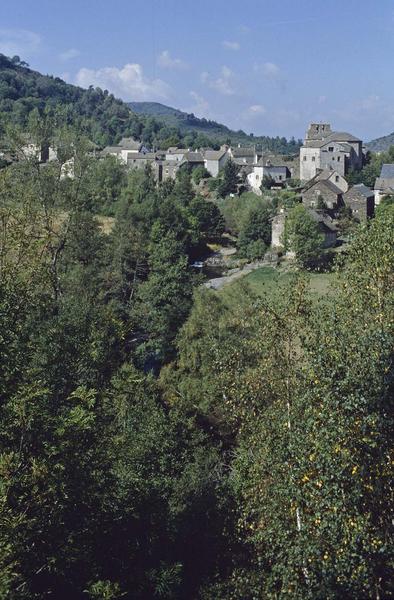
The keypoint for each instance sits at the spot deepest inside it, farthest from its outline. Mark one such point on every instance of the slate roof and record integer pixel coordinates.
(322, 218)
(340, 137)
(322, 175)
(362, 189)
(241, 152)
(194, 157)
(111, 150)
(325, 183)
(277, 169)
(173, 150)
(130, 144)
(214, 154)
(142, 155)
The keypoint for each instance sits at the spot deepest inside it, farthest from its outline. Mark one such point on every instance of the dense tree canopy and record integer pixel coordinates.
(161, 440)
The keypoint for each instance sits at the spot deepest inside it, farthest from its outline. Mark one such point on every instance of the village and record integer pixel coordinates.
(317, 175)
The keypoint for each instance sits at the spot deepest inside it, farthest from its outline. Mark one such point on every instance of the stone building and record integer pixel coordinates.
(127, 147)
(214, 160)
(361, 201)
(324, 222)
(264, 169)
(327, 149)
(324, 189)
(244, 155)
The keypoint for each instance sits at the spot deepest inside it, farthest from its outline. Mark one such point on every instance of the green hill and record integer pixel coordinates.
(381, 144)
(188, 122)
(105, 119)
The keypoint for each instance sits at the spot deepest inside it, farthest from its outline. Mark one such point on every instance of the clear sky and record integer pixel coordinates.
(265, 66)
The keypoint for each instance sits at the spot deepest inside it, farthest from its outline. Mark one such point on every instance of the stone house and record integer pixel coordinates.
(322, 194)
(215, 160)
(127, 147)
(361, 200)
(165, 169)
(325, 224)
(327, 149)
(244, 155)
(264, 169)
(138, 160)
(192, 160)
(384, 184)
(328, 175)
(176, 154)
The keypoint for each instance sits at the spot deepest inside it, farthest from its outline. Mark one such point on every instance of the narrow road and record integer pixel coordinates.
(218, 283)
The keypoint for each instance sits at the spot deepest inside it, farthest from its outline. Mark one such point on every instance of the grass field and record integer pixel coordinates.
(269, 281)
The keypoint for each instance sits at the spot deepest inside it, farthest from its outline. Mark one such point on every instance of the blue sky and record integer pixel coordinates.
(265, 66)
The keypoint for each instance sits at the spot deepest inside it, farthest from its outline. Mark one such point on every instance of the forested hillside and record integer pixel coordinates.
(190, 123)
(161, 440)
(105, 119)
(381, 144)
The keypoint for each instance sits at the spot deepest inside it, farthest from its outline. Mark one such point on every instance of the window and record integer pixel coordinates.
(257, 177)
(280, 177)
(331, 148)
(333, 158)
(304, 157)
(339, 158)
(336, 177)
(313, 158)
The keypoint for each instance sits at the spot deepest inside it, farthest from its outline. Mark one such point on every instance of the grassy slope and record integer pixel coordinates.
(268, 281)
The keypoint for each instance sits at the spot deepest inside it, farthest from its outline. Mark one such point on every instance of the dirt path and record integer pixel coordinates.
(218, 283)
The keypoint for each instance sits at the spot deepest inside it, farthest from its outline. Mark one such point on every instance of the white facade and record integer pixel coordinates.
(255, 178)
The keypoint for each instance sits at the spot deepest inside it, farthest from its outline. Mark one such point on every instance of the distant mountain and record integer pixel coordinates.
(381, 144)
(188, 122)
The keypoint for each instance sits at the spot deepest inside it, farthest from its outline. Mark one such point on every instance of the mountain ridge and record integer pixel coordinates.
(381, 144)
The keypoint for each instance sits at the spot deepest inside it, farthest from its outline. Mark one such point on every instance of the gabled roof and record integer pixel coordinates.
(173, 150)
(276, 169)
(322, 175)
(240, 152)
(214, 154)
(193, 157)
(360, 189)
(341, 136)
(130, 144)
(111, 150)
(325, 183)
(322, 219)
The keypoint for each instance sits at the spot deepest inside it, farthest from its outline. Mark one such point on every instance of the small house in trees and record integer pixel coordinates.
(176, 154)
(384, 184)
(361, 201)
(325, 225)
(191, 160)
(126, 148)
